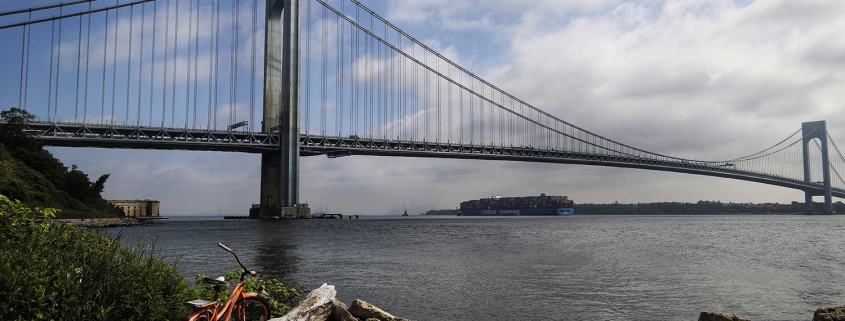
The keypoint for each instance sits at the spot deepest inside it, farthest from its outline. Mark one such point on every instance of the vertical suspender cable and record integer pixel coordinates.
(78, 65)
(368, 74)
(105, 55)
(342, 76)
(353, 119)
(323, 67)
(166, 52)
(26, 81)
(252, 64)
(114, 64)
(216, 61)
(196, 61)
(50, 86)
(338, 75)
(58, 68)
(153, 62)
(416, 93)
(471, 112)
(141, 65)
(400, 96)
(307, 97)
(210, 70)
(382, 73)
(23, 51)
(439, 102)
(87, 70)
(425, 95)
(190, 53)
(449, 99)
(175, 53)
(393, 103)
(233, 97)
(129, 62)
(461, 108)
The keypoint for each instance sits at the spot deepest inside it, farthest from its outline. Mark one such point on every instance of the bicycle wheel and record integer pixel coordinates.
(251, 309)
(204, 316)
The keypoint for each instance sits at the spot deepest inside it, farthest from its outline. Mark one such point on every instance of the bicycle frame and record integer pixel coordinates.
(213, 310)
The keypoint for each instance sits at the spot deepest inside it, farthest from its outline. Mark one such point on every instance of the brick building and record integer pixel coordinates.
(138, 208)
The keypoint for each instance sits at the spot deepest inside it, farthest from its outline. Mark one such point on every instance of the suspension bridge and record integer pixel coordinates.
(291, 78)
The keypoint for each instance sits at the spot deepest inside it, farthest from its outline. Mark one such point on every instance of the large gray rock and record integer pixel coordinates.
(830, 314)
(718, 316)
(317, 306)
(340, 312)
(363, 310)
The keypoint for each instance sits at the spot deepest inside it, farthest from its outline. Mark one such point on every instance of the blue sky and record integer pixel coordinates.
(700, 79)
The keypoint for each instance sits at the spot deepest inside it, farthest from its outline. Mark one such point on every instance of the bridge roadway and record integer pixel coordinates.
(131, 137)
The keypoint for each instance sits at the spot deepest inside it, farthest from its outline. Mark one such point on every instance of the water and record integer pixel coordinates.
(537, 268)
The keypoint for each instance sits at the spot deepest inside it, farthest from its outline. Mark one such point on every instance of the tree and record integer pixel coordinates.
(12, 132)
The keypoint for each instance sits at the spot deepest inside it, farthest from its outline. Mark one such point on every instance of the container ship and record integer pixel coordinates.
(513, 206)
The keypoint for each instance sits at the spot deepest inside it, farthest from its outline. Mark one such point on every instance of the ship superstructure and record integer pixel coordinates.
(513, 206)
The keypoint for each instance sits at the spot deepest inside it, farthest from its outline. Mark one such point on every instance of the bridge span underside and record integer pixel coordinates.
(318, 145)
(237, 141)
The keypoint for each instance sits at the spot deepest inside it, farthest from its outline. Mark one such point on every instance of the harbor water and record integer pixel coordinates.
(582, 267)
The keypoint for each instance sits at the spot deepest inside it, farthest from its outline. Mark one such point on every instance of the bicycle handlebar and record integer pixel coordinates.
(246, 271)
(225, 248)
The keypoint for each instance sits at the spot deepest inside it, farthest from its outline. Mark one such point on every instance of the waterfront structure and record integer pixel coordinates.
(139, 208)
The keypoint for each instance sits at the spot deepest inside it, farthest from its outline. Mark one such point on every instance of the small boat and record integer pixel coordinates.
(406, 212)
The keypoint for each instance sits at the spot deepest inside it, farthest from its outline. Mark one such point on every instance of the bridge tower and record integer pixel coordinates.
(280, 168)
(810, 131)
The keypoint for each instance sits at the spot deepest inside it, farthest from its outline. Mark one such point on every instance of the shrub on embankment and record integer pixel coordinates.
(59, 272)
(31, 174)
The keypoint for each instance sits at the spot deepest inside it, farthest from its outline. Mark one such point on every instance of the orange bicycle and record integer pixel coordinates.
(241, 306)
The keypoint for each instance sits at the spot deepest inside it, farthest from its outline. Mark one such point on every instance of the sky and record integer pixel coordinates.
(699, 79)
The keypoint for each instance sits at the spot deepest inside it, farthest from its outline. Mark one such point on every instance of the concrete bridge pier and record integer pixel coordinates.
(280, 168)
(810, 131)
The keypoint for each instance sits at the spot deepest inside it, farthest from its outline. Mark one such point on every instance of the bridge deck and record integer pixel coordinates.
(77, 135)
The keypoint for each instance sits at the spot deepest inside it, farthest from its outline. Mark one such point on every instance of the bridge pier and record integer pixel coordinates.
(280, 169)
(810, 131)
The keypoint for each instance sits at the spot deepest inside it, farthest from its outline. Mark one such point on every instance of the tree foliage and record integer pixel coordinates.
(31, 174)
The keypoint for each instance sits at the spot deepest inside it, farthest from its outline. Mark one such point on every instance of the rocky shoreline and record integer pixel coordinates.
(321, 305)
(822, 314)
(102, 222)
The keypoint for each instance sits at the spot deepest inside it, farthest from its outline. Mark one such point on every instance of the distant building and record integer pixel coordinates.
(138, 208)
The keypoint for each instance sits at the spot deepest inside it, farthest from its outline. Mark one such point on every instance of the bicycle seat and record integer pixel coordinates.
(200, 303)
(218, 282)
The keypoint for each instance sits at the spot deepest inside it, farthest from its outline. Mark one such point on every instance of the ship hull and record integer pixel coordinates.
(560, 211)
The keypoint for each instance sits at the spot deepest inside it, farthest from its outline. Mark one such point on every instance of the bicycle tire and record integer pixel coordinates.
(251, 309)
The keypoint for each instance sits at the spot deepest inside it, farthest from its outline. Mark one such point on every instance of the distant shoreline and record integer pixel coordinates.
(103, 222)
(686, 208)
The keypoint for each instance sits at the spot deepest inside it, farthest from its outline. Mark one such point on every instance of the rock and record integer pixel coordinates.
(317, 306)
(101, 222)
(340, 312)
(830, 314)
(718, 316)
(366, 311)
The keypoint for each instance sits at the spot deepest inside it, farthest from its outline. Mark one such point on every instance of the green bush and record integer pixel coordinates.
(277, 295)
(31, 174)
(57, 272)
